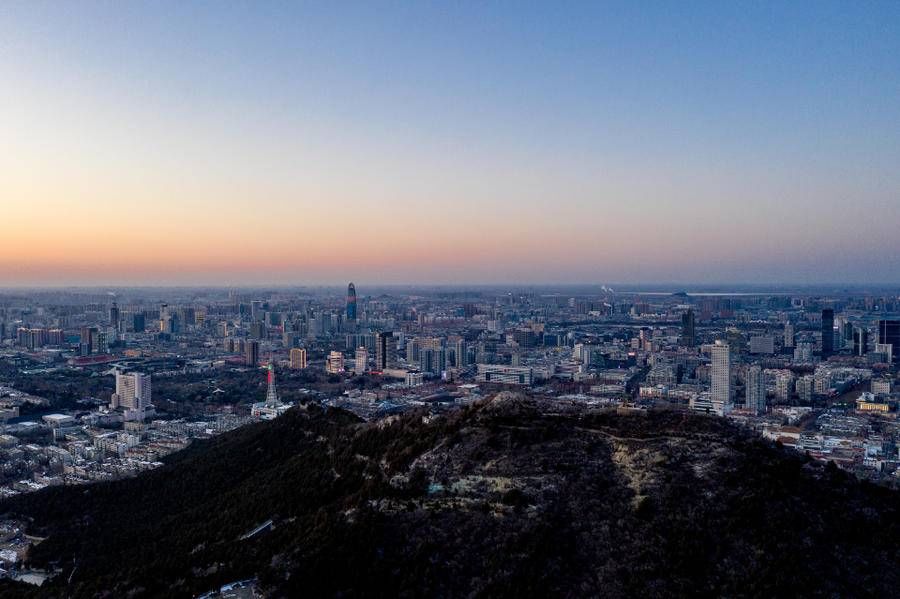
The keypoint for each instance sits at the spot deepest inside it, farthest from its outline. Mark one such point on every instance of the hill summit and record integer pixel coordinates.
(513, 496)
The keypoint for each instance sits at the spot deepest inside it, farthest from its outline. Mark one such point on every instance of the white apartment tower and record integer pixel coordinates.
(362, 361)
(720, 377)
(756, 390)
(132, 391)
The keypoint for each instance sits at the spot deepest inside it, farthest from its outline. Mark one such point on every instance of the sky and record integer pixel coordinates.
(232, 143)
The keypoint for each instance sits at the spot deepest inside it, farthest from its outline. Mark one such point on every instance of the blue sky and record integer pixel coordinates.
(464, 142)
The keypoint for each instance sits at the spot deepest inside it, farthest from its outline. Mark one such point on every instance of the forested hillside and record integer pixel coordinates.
(514, 496)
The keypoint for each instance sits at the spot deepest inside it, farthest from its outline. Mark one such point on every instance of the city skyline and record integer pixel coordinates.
(237, 145)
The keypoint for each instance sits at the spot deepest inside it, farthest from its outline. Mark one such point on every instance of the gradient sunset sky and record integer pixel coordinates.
(418, 142)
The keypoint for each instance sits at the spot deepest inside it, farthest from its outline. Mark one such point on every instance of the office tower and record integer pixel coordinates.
(462, 358)
(133, 391)
(251, 353)
(805, 387)
(784, 385)
(847, 333)
(168, 322)
(385, 351)
(720, 376)
(860, 341)
(257, 330)
(138, 322)
(256, 310)
(827, 332)
(413, 351)
(889, 334)
(362, 360)
(756, 390)
(803, 353)
(298, 358)
(334, 363)
(886, 350)
(56, 337)
(99, 343)
(351, 302)
(434, 360)
(86, 339)
(788, 335)
(688, 329)
(114, 316)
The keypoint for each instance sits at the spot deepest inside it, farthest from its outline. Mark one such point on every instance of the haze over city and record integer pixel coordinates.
(239, 144)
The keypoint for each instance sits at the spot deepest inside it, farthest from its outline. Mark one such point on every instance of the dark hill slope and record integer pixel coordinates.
(500, 499)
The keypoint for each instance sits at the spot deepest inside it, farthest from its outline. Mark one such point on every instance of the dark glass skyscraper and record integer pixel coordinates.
(827, 331)
(351, 302)
(889, 332)
(688, 329)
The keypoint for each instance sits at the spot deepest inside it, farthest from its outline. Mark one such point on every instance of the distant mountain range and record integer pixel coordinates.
(514, 496)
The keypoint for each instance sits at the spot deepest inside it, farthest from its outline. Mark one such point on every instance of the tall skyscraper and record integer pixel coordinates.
(860, 341)
(688, 329)
(385, 351)
(889, 334)
(133, 391)
(351, 302)
(251, 353)
(720, 376)
(256, 310)
(827, 332)
(362, 360)
(114, 316)
(461, 354)
(138, 322)
(298, 358)
(756, 390)
(788, 335)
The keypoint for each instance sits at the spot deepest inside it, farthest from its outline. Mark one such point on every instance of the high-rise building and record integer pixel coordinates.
(362, 360)
(413, 351)
(251, 353)
(827, 332)
(133, 391)
(788, 335)
(298, 358)
(803, 353)
(847, 333)
(99, 342)
(385, 351)
(805, 388)
(461, 355)
(256, 310)
(86, 339)
(889, 334)
(720, 376)
(351, 302)
(784, 385)
(886, 350)
(114, 316)
(688, 329)
(860, 341)
(755, 385)
(334, 363)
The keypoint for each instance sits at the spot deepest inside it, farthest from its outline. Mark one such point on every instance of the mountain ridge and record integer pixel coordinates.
(516, 495)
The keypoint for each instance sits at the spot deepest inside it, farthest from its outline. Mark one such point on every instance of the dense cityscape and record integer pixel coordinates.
(449, 299)
(100, 385)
